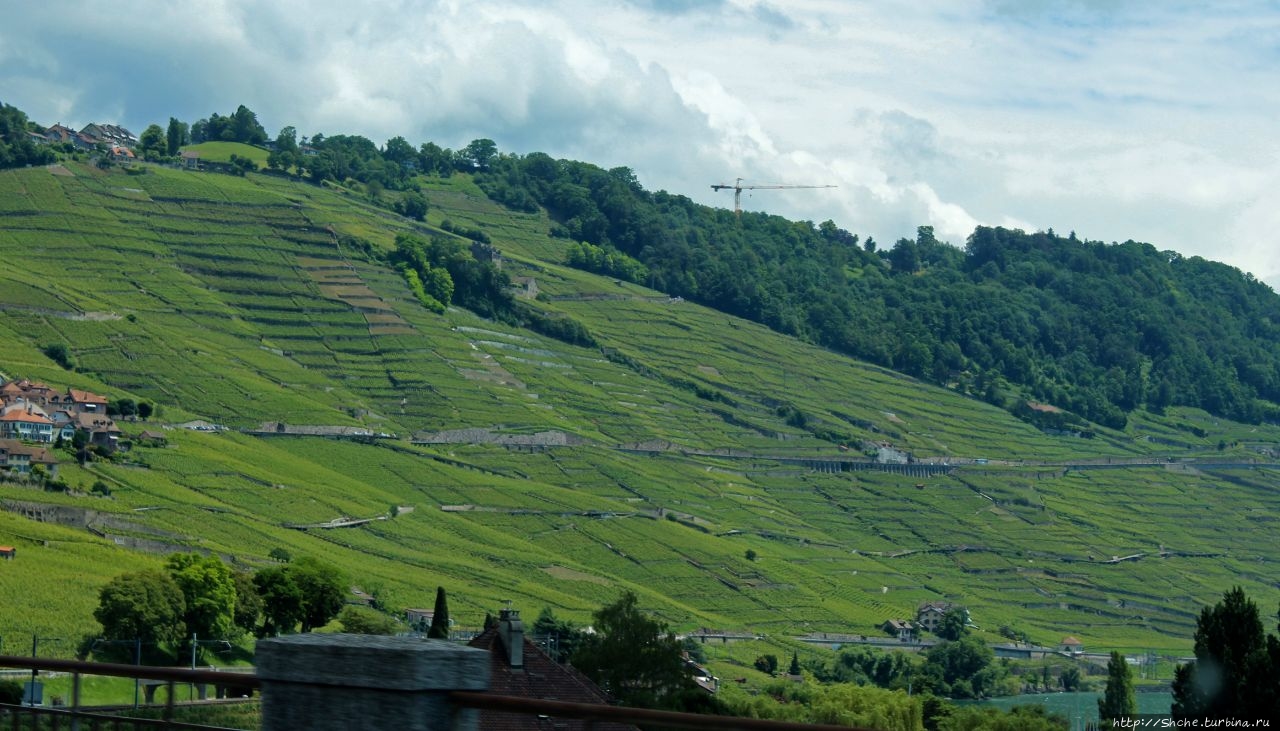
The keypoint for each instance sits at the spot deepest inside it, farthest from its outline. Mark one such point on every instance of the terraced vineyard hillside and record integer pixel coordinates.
(507, 465)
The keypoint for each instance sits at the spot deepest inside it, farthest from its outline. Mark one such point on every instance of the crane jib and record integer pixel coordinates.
(738, 187)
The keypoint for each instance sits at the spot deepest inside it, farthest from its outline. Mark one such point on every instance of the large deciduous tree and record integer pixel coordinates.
(209, 589)
(323, 589)
(954, 624)
(1236, 673)
(962, 669)
(477, 155)
(248, 605)
(631, 655)
(145, 605)
(360, 621)
(16, 147)
(281, 600)
(152, 141)
(245, 128)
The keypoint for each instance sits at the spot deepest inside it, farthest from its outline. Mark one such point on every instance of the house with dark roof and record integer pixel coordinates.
(102, 431)
(519, 668)
(110, 134)
(59, 133)
(17, 457)
(929, 614)
(903, 629)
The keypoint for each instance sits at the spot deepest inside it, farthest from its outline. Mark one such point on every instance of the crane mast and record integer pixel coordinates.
(737, 187)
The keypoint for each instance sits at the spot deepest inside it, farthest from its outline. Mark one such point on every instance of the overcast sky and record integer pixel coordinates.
(1153, 121)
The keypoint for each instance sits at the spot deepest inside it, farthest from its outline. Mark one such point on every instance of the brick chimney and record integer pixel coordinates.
(511, 632)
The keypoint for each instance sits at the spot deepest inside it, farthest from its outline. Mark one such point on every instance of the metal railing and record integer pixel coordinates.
(76, 718)
(592, 713)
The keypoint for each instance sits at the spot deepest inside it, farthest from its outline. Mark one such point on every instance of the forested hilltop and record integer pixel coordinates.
(1092, 328)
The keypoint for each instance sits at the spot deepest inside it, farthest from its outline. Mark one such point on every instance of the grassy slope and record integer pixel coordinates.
(222, 152)
(231, 299)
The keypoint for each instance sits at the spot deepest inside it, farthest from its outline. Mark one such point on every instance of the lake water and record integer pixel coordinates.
(1080, 708)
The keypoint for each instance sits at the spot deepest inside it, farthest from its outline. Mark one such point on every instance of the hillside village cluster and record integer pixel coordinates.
(116, 140)
(34, 417)
(120, 145)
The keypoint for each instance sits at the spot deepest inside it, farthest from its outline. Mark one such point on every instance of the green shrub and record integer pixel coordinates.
(10, 692)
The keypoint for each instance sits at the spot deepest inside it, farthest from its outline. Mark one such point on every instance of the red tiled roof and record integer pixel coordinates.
(541, 677)
(21, 415)
(85, 397)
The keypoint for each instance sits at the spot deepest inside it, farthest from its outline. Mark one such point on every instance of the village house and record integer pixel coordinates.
(26, 422)
(929, 614)
(8, 553)
(16, 457)
(419, 620)
(58, 134)
(110, 134)
(74, 401)
(84, 402)
(64, 426)
(903, 629)
(701, 675)
(190, 159)
(519, 668)
(101, 431)
(34, 412)
(31, 392)
(1071, 645)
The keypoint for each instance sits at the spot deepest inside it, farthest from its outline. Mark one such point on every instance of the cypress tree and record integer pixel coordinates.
(1119, 700)
(440, 619)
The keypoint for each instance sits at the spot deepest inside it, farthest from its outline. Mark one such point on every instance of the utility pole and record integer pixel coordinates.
(137, 660)
(35, 643)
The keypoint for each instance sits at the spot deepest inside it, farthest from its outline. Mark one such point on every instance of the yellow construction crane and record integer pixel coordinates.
(738, 187)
